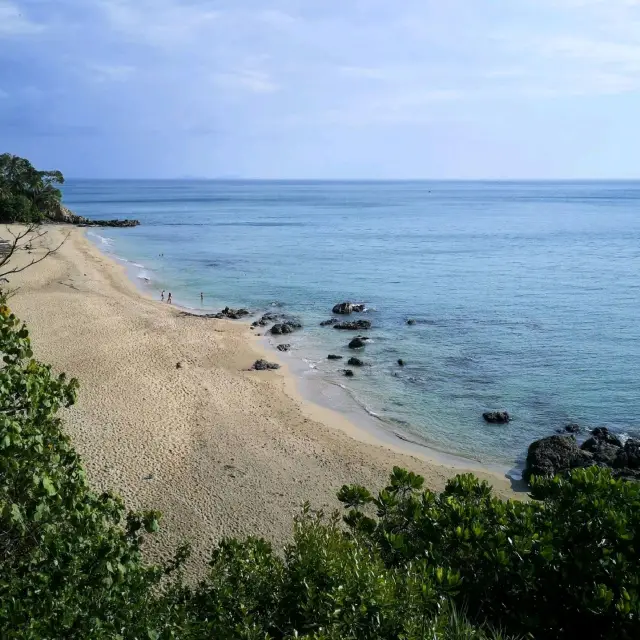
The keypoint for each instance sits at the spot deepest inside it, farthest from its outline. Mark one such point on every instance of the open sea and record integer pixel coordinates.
(526, 295)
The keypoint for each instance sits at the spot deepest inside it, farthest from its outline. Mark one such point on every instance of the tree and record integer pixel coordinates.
(26, 194)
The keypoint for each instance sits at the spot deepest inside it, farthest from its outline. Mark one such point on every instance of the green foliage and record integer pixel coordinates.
(565, 565)
(26, 194)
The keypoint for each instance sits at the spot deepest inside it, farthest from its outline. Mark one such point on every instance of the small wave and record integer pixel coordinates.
(135, 264)
(105, 241)
(144, 275)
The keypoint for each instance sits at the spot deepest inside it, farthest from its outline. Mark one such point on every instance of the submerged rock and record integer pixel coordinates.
(496, 417)
(263, 365)
(345, 308)
(356, 325)
(283, 328)
(401, 362)
(411, 321)
(332, 356)
(357, 343)
(283, 347)
(355, 362)
(348, 373)
(329, 323)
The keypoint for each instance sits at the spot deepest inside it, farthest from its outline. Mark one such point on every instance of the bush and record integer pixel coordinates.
(564, 565)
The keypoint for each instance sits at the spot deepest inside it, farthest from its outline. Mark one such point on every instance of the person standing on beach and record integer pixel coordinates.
(162, 296)
(169, 298)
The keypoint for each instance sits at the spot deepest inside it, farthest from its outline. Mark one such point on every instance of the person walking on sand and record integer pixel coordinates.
(162, 296)
(169, 298)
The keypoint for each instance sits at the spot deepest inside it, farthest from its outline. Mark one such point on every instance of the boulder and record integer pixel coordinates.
(283, 328)
(572, 428)
(329, 323)
(343, 308)
(555, 454)
(603, 434)
(233, 314)
(263, 365)
(355, 362)
(332, 356)
(348, 373)
(357, 343)
(356, 325)
(283, 347)
(629, 455)
(496, 417)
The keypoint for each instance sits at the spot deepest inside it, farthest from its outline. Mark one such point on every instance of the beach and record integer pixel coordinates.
(170, 417)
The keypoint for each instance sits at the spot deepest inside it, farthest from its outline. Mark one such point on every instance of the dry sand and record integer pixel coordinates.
(220, 450)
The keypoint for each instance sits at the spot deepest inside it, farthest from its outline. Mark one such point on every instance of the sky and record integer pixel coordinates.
(326, 89)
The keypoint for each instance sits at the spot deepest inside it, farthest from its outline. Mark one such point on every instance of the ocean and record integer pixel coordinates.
(525, 295)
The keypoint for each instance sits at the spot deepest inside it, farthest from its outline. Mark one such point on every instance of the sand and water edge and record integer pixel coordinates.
(219, 449)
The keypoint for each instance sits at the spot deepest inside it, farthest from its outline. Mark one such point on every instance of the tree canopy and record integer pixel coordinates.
(26, 194)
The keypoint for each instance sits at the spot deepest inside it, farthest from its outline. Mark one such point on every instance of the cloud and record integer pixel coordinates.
(14, 23)
(110, 73)
(247, 79)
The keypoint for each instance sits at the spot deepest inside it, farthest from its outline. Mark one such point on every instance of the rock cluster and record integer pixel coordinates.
(356, 325)
(332, 356)
(62, 214)
(559, 454)
(283, 347)
(345, 308)
(231, 314)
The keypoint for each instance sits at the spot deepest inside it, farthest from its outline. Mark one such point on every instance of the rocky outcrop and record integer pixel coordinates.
(357, 343)
(345, 308)
(64, 215)
(329, 323)
(332, 356)
(355, 362)
(283, 328)
(560, 454)
(232, 314)
(356, 325)
(263, 365)
(496, 417)
(283, 347)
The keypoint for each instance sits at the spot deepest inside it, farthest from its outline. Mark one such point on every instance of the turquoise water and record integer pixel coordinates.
(526, 296)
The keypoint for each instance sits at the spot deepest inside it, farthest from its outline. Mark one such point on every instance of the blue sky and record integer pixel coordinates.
(323, 88)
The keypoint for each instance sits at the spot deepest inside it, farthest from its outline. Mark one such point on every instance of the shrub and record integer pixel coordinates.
(564, 565)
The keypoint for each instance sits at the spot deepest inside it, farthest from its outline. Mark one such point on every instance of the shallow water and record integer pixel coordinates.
(526, 296)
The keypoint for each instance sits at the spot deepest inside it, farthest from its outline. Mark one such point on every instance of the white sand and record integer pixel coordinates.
(220, 450)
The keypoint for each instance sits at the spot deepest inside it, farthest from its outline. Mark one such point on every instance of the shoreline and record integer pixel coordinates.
(220, 450)
(359, 424)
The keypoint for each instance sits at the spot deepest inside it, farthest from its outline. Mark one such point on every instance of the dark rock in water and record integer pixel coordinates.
(555, 454)
(329, 323)
(357, 343)
(401, 362)
(348, 373)
(283, 347)
(332, 356)
(356, 325)
(285, 327)
(496, 417)
(572, 428)
(345, 308)
(263, 365)
(411, 321)
(355, 362)
(604, 435)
